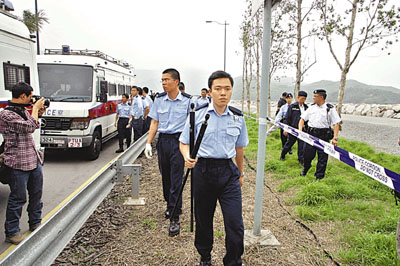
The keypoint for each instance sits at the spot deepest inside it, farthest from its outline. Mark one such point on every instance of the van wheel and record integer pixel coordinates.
(93, 151)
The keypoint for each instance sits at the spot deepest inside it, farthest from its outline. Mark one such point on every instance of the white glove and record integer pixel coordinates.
(147, 151)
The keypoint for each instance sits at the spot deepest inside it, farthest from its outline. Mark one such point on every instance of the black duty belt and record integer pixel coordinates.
(212, 161)
(317, 131)
(165, 135)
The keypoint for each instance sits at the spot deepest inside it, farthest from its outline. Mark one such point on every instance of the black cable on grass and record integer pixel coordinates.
(297, 221)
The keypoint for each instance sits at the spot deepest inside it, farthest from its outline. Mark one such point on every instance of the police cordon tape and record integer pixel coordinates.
(379, 173)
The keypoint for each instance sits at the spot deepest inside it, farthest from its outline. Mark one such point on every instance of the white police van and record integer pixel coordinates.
(17, 57)
(84, 87)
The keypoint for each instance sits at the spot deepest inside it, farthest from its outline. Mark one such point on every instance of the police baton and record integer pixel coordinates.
(191, 142)
(193, 155)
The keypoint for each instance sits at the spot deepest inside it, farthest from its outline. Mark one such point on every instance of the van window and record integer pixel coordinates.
(66, 83)
(112, 89)
(14, 74)
(121, 89)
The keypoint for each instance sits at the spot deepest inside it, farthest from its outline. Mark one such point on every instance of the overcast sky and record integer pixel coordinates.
(159, 34)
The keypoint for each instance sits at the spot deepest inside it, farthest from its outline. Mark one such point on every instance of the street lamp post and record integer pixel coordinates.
(37, 31)
(224, 24)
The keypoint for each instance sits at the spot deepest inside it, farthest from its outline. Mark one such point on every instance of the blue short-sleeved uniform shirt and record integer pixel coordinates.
(137, 107)
(223, 134)
(123, 110)
(170, 114)
(201, 101)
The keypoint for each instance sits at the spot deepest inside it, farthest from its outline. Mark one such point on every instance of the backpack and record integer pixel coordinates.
(4, 169)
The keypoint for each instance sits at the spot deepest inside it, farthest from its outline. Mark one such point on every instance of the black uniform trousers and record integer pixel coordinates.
(123, 132)
(171, 165)
(291, 140)
(146, 124)
(218, 179)
(137, 126)
(283, 138)
(309, 153)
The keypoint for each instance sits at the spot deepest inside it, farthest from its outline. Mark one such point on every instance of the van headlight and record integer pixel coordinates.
(80, 123)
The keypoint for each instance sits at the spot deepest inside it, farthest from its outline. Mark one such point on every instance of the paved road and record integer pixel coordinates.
(380, 133)
(64, 172)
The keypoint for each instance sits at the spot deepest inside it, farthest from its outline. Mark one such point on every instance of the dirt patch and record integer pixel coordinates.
(120, 235)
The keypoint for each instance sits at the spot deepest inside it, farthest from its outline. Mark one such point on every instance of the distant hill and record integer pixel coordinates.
(355, 92)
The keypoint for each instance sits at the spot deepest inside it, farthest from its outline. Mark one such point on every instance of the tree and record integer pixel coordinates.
(299, 15)
(364, 23)
(34, 22)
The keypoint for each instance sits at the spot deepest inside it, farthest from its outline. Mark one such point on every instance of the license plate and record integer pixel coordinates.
(47, 140)
(74, 142)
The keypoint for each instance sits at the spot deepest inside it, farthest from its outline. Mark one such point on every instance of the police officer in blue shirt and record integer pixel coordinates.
(216, 176)
(147, 103)
(203, 99)
(136, 117)
(169, 112)
(122, 118)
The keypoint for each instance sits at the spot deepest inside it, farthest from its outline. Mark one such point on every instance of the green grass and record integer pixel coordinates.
(363, 209)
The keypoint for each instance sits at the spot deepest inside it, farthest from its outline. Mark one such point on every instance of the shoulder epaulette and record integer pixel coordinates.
(201, 106)
(161, 94)
(186, 95)
(329, 105)
(313, 104)
(199, 97)
(235, 111)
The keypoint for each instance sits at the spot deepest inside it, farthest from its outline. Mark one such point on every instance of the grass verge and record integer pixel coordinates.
(363, 211)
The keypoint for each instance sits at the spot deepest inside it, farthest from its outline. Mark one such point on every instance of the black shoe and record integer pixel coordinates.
(290, 152)
(128, 144)
(304, 172)
(318, 178)
(167, 214)
(119, 150)
(205, 263)
(174, 227)
(282, 158)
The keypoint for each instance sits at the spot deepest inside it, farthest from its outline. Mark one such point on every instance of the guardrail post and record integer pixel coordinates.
(134, 171)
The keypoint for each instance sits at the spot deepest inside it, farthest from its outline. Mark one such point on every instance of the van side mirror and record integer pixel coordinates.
(103, 87)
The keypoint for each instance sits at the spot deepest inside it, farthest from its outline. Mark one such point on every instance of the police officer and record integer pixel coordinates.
(216, 176)
(203, 99)
(292, 119)
(122, 118)
(280, 117)
(320, 116)
(281, 102)
(135, 118)
(148, 103)
(168, 113)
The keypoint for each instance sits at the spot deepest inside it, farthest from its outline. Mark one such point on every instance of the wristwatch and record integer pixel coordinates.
(335, 139)
(242, 175)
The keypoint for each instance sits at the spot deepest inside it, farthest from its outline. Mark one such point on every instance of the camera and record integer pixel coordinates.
(37, 97)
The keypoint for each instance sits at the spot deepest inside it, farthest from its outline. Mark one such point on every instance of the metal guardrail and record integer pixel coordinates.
(43, 245)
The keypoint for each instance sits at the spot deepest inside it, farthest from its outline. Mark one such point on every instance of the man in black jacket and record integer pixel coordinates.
(292, 119)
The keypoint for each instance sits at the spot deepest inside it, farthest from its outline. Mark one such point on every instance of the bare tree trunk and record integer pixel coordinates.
(243, 78)
(346, 66)
(298, 63)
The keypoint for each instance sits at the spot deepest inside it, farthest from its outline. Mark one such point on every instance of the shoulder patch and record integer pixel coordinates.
(161, 94)
(186, 95)
(201, 106)
(235, 111)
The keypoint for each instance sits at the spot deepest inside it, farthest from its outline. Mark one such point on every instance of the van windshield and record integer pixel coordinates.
(66, 83)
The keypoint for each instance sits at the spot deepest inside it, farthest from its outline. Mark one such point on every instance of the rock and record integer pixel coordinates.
(397, 116)
(388, 113)
(350, 109)
(366, 110)
(396, 108)
(359, 109)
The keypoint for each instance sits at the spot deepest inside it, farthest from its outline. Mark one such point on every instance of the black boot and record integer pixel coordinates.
(119, 150)
(174, 227)
(205, 263)
(304, 171)
(282, 158)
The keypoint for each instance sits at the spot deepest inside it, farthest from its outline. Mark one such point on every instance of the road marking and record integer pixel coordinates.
(52, 212)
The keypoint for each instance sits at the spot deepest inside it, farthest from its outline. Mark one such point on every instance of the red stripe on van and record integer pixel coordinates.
(104, 109)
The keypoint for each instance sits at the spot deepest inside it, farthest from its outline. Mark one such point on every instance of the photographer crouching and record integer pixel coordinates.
(23, 159)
